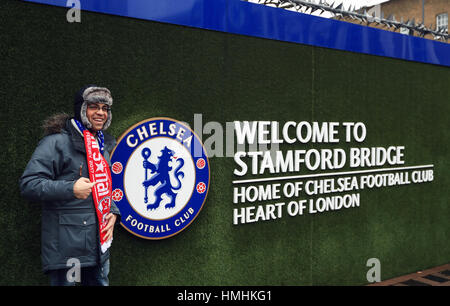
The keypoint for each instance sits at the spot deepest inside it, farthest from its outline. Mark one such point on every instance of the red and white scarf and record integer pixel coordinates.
(99, 174)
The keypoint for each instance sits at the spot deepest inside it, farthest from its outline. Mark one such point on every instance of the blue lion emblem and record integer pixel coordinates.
(161, 172)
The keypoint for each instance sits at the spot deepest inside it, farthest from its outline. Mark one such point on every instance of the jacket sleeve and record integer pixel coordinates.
(39, 181)
(116, 211)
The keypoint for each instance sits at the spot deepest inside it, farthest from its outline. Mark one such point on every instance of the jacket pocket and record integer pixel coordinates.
(77, 234)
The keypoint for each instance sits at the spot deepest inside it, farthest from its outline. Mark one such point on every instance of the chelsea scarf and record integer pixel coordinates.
(99, 174)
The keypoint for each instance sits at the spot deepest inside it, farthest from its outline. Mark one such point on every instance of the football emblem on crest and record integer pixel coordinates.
(163, 184)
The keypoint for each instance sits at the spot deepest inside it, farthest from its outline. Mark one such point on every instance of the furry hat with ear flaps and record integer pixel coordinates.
(91, 94)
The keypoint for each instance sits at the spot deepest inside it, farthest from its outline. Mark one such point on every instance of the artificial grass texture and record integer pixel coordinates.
(156, 69)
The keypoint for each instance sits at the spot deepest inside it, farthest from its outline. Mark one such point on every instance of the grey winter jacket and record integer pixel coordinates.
(69, 225)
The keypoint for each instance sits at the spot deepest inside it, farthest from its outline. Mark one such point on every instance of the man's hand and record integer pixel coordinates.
(109, 228)
(82, 188)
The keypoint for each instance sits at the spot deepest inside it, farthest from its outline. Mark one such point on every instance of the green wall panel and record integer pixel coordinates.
(156, 69)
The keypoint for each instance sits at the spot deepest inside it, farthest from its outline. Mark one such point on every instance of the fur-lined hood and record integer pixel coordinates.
(88, 94)
(55, 123)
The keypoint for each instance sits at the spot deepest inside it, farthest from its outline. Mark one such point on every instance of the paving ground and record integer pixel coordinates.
(438, 276)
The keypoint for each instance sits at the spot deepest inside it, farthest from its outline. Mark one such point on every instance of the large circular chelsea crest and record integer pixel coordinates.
(160, 177)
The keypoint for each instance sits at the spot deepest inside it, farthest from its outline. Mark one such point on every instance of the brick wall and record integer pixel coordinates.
(408, 9)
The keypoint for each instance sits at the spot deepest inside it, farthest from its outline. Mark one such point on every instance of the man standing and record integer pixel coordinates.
(69, 173)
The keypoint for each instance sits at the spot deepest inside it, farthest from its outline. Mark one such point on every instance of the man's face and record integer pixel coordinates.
(97, 113)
